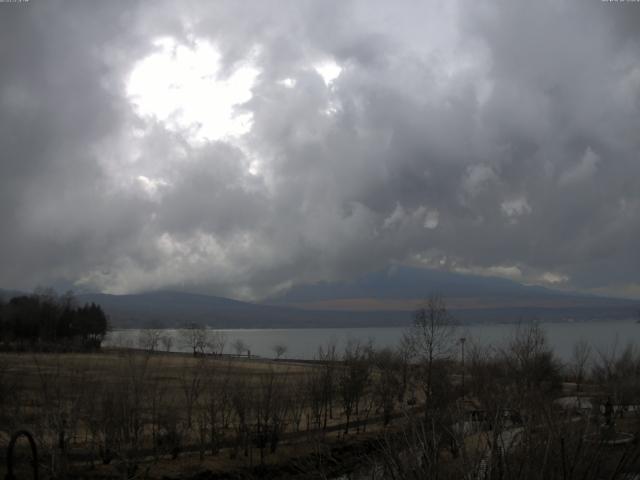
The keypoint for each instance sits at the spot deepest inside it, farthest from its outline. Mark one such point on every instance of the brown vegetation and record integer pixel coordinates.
(400, 413)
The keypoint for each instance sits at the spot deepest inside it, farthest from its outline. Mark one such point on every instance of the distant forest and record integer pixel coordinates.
(45, 320)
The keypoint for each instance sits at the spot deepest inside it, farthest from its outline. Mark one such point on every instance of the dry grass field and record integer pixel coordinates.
(127, 409)
(135, 414)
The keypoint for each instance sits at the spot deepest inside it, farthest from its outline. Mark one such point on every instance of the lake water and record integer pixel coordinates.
(303, 342)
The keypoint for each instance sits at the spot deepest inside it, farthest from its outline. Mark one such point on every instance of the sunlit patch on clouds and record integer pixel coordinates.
(183, 87)
(518, 273)
(287, 82)
(186, 260)
(553, 278)
(512, 272)
(329, 70)
(151, 186)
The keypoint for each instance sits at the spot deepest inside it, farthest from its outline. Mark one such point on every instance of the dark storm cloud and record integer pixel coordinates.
(498, 137)
(53, 109)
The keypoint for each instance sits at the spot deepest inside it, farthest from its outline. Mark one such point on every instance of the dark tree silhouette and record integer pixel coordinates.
(44, 318)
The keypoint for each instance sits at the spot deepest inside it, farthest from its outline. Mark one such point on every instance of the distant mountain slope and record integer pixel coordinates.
(377, 299)
(411, 283)
(177, 308)
(470, 297)
(174, 309)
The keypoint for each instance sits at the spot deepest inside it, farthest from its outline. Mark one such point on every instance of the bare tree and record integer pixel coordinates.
(386, 381)
(192, 385)
(619, 371)
(157, 389)
(194, 337)
(239, 346)
(279, 349)
(60, 395)
(270, 411)
(171, 432)
(530, 360)
(215, 405)
(580, 357)
(327, 356)
(242, 402)
(403, 354)
(120, 417)
(353, 378)
(432, 338)
(315, 393)
(216, 341)
(167, 342)
(149, 339)
(298, 399)
(11, 404)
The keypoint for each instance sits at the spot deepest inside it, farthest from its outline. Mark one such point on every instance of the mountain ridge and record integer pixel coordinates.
(384, 298)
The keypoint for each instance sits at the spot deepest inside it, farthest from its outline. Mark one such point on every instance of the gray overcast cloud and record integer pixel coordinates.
(238, 148)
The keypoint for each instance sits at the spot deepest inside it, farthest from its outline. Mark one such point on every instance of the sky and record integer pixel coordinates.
(240, 148)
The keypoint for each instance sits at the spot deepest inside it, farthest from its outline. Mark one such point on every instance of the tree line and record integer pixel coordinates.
(45, 319)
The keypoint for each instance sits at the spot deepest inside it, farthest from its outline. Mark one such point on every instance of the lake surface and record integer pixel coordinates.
(303, 343)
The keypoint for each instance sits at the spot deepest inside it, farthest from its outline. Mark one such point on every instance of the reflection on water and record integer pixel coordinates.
(303, 343)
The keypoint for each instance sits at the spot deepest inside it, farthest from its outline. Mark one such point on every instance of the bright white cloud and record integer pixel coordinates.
(288, 82)
(184, 87)
(328, 70)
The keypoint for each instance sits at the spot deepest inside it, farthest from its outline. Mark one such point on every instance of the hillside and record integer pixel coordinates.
(379, 298)
(402, 288)
(384, 298)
